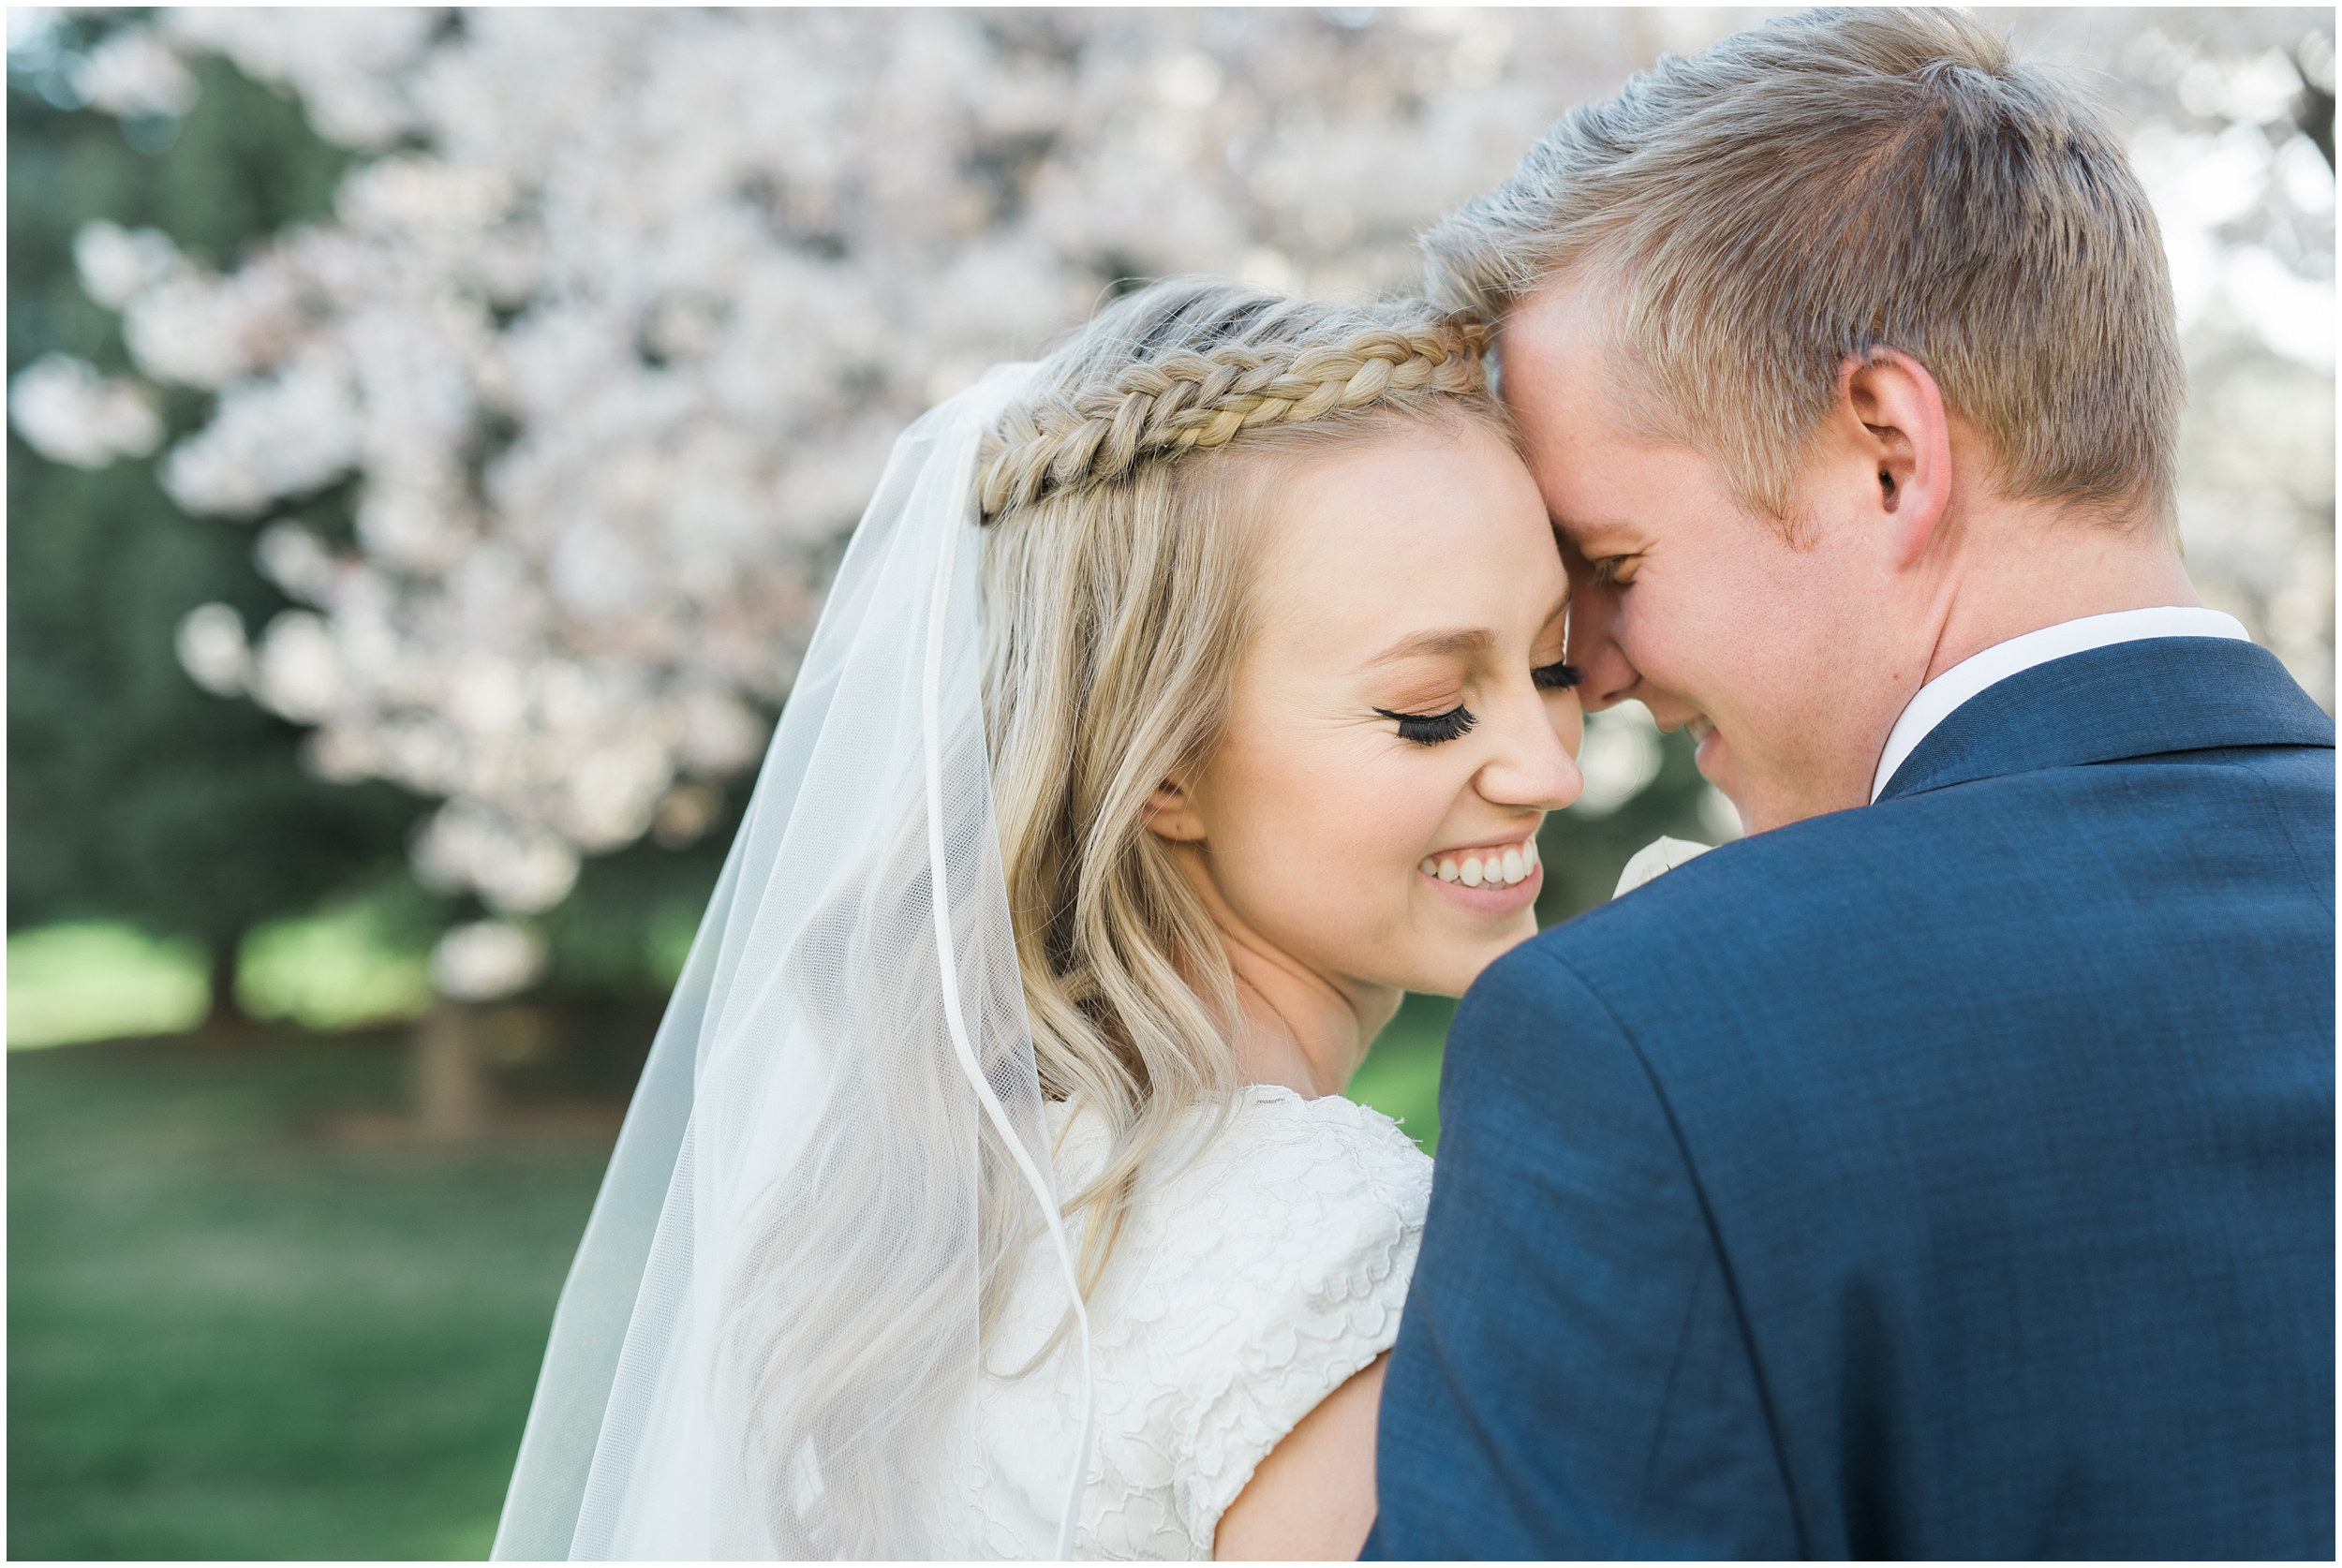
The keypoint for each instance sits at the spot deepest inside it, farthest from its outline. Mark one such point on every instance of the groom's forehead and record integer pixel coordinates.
(1575, 412)
(1556, 362)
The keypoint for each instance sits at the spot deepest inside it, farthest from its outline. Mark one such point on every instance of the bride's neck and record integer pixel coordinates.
(1296, 1028)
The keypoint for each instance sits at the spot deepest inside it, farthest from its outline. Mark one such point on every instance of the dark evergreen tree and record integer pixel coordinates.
(132, 793)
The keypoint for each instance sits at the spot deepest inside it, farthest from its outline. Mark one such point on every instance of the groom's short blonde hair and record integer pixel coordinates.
(1837, 181)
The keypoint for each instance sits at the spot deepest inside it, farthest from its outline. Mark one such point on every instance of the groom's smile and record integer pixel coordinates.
(1763, 640)
(1702, 731)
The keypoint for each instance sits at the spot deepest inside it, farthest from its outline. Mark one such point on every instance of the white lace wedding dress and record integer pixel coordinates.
(1257, 1273)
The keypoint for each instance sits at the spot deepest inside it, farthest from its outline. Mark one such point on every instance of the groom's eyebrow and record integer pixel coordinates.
(1572, 530)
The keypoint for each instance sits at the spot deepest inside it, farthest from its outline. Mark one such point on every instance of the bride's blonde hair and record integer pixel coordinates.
(1123, 496)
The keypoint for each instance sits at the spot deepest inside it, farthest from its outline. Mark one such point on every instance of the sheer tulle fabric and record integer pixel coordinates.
(770, 1342)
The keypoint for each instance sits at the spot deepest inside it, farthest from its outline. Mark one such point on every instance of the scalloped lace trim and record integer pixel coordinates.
(1256, 1274)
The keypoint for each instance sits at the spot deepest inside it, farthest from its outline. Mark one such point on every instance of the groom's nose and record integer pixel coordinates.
(1608, 678)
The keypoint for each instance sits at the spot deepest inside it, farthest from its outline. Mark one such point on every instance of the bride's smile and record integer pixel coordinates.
(1493, 868)
(1400, 725)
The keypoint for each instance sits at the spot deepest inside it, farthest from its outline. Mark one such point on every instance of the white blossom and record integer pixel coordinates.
(513, 867)
(284, 434)
(1718, 817)
(619, 311)
(212, 649)
(134, 74)
(298, 670)
(486, 959)
(205, 331)
(68, 412)
(29, 26)
(349, 64)
(117, 264)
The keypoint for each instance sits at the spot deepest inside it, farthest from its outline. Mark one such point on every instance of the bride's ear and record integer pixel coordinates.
(1171, 813)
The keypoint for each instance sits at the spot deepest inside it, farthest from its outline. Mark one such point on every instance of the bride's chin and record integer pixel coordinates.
(1470, 958)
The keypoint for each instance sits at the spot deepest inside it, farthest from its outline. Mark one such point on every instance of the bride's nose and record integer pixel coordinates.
(1532, 765)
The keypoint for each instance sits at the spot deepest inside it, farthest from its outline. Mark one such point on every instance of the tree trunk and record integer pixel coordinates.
(449, 1081)
(226, 1018)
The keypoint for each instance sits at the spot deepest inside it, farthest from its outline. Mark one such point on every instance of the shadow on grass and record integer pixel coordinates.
(240, 1326)
(235, 1334)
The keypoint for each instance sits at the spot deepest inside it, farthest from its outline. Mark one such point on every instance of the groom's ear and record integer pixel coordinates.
(1171, 813)
(1891, 414)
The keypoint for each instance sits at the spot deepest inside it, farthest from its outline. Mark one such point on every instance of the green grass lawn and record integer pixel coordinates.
(1399, 1076)
(236, 1330)
(234, 1334)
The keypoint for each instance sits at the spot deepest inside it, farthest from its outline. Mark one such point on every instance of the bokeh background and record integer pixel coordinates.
(430, 433)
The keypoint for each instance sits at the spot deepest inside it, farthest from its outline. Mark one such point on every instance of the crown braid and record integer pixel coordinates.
(1190, 401)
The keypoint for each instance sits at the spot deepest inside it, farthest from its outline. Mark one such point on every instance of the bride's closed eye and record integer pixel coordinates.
(1430, 729)
(1556, 676)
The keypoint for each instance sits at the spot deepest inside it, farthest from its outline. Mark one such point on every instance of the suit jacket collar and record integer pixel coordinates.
(2135, 699)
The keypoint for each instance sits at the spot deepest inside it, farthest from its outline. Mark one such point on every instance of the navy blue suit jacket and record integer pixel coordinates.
(1950, 1177)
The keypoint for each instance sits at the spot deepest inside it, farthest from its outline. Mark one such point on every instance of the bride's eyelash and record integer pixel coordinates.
(1556, 678)
(1430, 729)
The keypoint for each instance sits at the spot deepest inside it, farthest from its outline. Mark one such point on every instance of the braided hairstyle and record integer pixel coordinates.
(1127, 497)
(1099, 428)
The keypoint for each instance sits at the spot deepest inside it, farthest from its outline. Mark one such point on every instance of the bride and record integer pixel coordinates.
(1182, 702)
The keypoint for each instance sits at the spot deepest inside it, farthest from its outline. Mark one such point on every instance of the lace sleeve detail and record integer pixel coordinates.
(1282, 1273)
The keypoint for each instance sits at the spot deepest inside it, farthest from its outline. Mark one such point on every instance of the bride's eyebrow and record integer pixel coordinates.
(1448, 643)
(1434, 644)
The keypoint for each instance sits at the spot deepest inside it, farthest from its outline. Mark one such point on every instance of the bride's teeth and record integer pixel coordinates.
(1506, 867)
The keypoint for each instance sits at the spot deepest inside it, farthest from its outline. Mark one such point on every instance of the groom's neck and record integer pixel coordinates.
(2017, 567)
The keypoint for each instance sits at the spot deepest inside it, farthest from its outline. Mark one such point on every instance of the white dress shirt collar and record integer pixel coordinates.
(1939, 698)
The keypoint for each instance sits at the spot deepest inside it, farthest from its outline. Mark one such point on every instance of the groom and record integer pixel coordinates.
(1945, 1170)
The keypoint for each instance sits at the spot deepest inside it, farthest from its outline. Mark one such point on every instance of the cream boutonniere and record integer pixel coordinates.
(1660, 855)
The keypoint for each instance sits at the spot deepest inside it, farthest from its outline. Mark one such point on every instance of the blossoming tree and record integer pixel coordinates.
(619, 311)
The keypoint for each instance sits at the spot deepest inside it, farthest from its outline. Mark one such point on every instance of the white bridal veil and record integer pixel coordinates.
(769, 1345)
